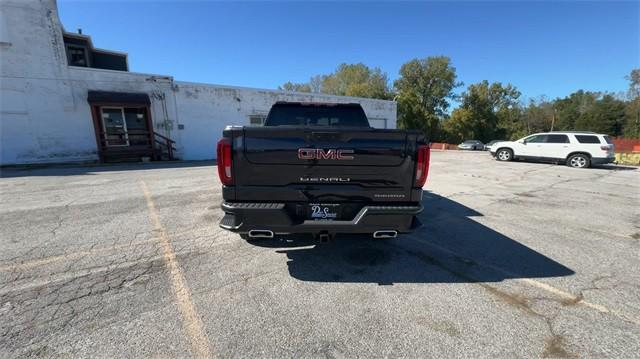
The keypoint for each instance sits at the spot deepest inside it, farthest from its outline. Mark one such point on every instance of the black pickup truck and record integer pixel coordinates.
(320, 169)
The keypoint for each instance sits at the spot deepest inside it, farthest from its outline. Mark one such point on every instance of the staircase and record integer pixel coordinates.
(142, 144)
(164, 148)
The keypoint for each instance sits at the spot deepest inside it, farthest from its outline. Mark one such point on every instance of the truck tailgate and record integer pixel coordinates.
(343, 164)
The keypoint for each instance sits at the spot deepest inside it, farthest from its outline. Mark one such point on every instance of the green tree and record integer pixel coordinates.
(572, 110)
(510, 124)
(590, 111)
(315, 83)
(297, 87)
(632, 107)
(487, 112)
(356, 80)
(634, 83)
(424, 89)
(459, 126)
(606, 115)
(632, 119)
(538, 116)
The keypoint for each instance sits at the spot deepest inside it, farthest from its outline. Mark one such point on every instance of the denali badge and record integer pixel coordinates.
(324, 179)
(321, 154)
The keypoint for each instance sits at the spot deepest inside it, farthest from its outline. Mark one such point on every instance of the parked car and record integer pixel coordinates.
(321, 169)
(473, 145)
(575, 149)
(487, 146)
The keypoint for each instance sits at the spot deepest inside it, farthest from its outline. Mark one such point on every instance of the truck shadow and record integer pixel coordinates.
(450, 248)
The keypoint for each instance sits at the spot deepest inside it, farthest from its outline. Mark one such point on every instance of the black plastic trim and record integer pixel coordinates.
(249, 216)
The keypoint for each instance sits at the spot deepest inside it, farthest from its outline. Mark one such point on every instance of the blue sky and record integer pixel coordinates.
(543, 48)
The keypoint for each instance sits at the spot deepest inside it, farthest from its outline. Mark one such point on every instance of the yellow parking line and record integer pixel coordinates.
(565, 295)
(193, 325)
(577, 299)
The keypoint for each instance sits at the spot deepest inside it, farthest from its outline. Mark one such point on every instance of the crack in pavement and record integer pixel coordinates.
(555, 344)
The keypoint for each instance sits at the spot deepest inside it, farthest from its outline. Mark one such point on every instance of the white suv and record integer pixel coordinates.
(576, 149)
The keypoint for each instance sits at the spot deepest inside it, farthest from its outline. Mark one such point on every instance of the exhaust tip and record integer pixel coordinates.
(260, 233)
(385, 234)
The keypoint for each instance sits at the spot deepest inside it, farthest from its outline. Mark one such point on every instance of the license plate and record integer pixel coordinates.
(323, 211)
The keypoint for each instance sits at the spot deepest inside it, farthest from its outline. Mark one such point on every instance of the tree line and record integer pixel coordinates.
(426, 89)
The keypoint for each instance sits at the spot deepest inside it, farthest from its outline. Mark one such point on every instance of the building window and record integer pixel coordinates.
(125, 126)
(257, 120)
(114, 126)
(77, 56)
(378, 122)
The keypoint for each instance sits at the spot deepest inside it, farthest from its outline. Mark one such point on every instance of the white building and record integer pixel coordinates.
(62, 100)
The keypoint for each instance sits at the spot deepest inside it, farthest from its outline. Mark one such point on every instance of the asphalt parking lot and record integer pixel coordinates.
(513, 260)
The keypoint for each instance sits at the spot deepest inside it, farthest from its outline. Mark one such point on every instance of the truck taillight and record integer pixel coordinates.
(224, 161)
(422, 165)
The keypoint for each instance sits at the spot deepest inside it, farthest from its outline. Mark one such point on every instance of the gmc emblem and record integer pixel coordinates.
(320, 154)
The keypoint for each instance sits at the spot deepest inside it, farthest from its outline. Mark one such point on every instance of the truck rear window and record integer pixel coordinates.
(317, 115)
